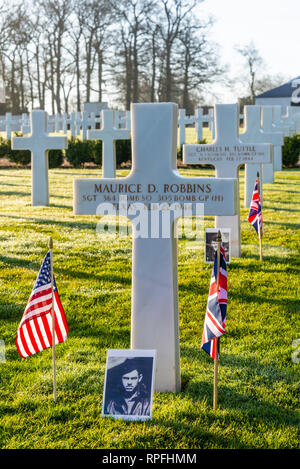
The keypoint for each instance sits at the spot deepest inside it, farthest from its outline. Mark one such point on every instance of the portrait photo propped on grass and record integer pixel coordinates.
(129, 384)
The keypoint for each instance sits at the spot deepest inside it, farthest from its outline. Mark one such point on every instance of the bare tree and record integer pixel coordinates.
(15, 37)
(56, 15)
(197, 63)
(132, 22)
(174, 13)
(76, 36)
(95, 35)
(253, 62)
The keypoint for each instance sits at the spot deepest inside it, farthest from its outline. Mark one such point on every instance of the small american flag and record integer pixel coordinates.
(215, 318)
(255, 212)
(35, 330)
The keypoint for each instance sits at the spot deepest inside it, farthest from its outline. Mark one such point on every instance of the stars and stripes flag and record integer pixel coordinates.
(35, 330)
(215, 318)
(255, 212)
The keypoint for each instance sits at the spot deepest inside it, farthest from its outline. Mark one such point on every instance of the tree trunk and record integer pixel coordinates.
(78, 76)
(58, 75)
(135, 77)
(153, 78)
(100, 74)
(168, 85)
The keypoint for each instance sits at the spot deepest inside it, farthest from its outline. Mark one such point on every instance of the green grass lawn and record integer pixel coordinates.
(258, 380)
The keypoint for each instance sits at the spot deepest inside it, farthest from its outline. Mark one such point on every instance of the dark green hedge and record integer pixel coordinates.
(291, 151)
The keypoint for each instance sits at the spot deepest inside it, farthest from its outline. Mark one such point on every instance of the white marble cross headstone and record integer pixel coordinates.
(25, 124)
(78, 123)
(288, 120)
(69, 120)
(295, 114)
(253, 133)
(183, 120)
(86, 123)
(154, 178)
(211, 123)
(39, 142)
(277, 141)
(199, 123)
(227, 153)
(281, 127)
(108, 134)
(58, 122)
(279, 122)
(9, 125)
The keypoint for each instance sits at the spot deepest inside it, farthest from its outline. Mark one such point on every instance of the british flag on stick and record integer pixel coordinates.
(255, 212)
(215, 318)
(35, 330)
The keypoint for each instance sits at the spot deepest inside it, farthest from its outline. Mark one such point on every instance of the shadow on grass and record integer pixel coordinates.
(45, 221)
(276, 209)
(15, 193)
(285, 224)
(247, 401)
(67, 207)
(73, 274)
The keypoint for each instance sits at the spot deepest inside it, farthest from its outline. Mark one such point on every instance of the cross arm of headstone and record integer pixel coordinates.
(108, 131)
(39, 140)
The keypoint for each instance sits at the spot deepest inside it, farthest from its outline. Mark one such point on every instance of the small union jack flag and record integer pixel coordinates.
(215, 318)
(35, 330)
(255, 212)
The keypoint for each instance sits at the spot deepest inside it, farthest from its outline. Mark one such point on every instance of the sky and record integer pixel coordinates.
(272, 25)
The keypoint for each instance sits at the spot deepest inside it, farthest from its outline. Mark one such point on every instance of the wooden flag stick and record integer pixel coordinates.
(258, 225)
(53, 321)
(216, 359)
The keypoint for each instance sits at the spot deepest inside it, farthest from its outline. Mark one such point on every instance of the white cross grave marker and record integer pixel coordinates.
(58, 122)
(279, 122)
(183, 120)
(279, 125)
(9, 124)
(86, 123)
(78, 122)
(39, 142)
(154, 178)
(211, 123)
(288, 119)
(227, 153)
(108, 134)
(253, 133)
(25, 124)
(199, 123)
(295, 113)
(69, 120)
(277, 140)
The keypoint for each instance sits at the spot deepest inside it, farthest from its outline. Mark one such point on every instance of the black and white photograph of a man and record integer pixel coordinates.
(128, 388)
(211, 244)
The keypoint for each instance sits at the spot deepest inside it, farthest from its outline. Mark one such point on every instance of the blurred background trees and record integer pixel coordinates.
(57, 54)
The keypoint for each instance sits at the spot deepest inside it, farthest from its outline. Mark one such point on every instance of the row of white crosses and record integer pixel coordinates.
(39, 143)
(197, 120)
(110, 132)
(78, 123)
